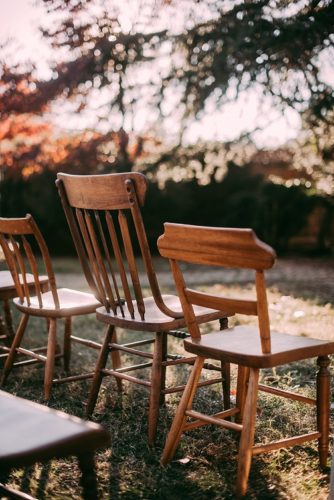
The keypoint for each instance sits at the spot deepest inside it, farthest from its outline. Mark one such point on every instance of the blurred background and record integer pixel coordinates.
(226, 106)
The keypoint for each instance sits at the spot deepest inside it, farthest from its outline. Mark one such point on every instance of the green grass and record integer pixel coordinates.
(205, 463)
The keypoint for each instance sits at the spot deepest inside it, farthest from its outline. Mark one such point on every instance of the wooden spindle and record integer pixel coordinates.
(132, 263)
(34, 270)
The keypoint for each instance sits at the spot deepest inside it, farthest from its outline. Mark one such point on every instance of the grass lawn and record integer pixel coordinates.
(302, 302)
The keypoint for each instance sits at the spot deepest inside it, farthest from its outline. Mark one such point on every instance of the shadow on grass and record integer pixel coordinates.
(209, 471)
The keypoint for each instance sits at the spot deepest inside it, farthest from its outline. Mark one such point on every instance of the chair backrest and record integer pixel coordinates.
(22, 243)
(227, 247)
(103, 213)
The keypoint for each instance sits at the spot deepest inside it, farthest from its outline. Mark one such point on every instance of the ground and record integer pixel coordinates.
(301, 302)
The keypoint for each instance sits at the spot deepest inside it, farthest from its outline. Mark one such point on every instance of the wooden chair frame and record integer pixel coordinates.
(248, 347)
(19, 238)
(104, 216)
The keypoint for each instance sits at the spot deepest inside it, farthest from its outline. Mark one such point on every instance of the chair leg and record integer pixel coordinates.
(247, 433)
(226, 372)
(3, 331)
(156, 385)
(323, 408)
(185, 404)
(116, 360)
(15, 344)
(226, 375)
(98, 375)
(67, 343)
(163, 368)
(8, 318)
(243, 376)
(50, 358)
(88, 477)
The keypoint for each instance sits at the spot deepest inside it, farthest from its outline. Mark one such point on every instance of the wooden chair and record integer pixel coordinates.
(31, 433)
(7, 293)
(103, 212)
(251, 348)
(23, 236)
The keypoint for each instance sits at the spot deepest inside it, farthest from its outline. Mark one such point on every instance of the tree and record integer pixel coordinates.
(161, 62)
(222, 49)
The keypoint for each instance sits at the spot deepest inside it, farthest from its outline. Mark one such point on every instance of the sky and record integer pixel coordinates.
(20, 19)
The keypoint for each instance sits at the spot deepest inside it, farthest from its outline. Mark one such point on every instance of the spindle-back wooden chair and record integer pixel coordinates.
(31, 433)
(7, 293)
(251, 348)
(21, 241)
(103, 212)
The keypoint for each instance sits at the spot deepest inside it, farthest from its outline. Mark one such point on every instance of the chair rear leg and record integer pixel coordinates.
(163, 368)
(88, 477)
(185, 404)
(8, 318)
(67, 343)
(15, 344)
(50, 358)
(98, 375)
(226, 372)
(226, 376)
(323, 408)
(247, 433)
(156, 385)
(3, 332)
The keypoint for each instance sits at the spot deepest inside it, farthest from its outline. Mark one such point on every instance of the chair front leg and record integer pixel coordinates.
(242, 381)
(179, 421)
(157, 382)
(247, 433)
(323, 408)
(50, 358)
(98, 375)
(15, 344)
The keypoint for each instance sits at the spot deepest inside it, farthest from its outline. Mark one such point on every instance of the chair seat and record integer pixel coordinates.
(30, 432)
(155, 320)
(7, 286)
(241, 345)
(72, 302)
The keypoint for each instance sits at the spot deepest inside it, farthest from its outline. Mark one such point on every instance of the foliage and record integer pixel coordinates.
(216, 50)
(178, 56)
(240, 199)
